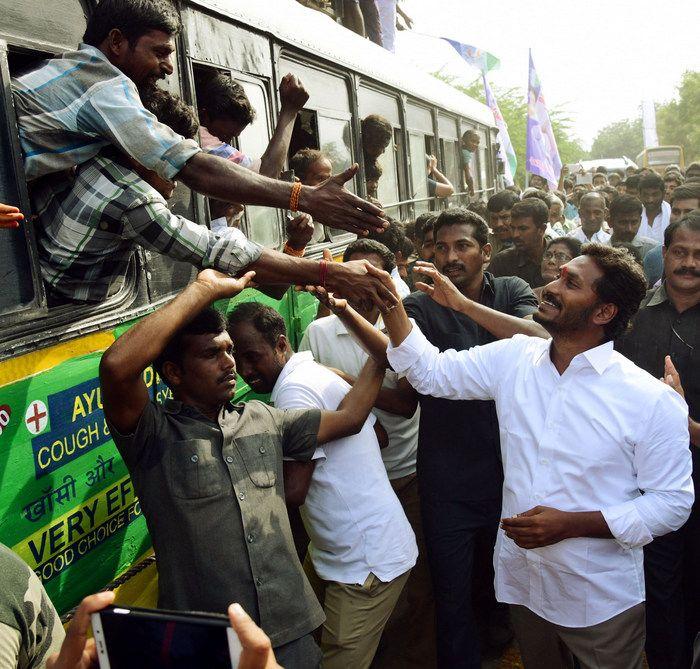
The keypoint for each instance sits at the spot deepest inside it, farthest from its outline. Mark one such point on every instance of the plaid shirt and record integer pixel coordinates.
(91, 222)
(71, 107)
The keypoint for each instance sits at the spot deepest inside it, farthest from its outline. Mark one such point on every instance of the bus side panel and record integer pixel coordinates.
(69, 509)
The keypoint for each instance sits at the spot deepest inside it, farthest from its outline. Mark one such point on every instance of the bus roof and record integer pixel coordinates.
(324, 37)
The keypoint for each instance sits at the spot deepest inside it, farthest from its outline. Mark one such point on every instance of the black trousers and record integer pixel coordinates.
(460, 537)
(672, 576)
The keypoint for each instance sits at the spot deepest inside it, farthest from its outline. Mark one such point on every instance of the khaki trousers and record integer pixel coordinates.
(617, 643)
(355, 617)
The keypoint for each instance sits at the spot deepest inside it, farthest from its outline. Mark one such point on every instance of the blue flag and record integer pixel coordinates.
(476, 57)
(542, 156)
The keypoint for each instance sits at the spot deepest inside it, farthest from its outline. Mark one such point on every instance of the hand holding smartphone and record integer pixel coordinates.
(134, 638)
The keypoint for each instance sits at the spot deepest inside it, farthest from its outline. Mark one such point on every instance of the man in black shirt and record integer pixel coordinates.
(528, 224)
(667, 325)
(459, 467)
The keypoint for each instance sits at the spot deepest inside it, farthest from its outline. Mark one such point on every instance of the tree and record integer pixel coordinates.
(678, 121)
(622, 138)
(513, 105)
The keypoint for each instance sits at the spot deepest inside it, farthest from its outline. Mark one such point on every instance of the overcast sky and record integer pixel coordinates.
(596, 59)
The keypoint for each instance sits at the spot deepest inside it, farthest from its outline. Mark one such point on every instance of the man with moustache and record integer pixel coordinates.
(458, 466)
(595, 454)
(664, 341)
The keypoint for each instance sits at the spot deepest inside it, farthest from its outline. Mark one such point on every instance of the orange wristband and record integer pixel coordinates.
(297, 253)
(294, 198)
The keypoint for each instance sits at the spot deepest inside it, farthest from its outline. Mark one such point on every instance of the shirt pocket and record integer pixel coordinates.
(194, 470)
(259, 455)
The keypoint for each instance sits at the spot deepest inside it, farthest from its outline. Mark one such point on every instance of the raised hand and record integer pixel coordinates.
(443, 291)
(300, 230)
(222, 285)
(77, 651)
(334, 304)
(10, 216)
(335, 206)
(293, 95)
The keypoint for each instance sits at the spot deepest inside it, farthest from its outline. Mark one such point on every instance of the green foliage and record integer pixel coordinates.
(678, 121)
(513, 105)
(622, 138)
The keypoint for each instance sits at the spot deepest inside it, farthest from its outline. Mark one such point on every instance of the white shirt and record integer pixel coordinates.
(353, 517)
(600, 237)
(401, 286)
(332, 345)
(659, 224)
(588, 440)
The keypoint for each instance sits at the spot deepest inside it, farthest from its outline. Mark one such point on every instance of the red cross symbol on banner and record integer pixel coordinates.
(36, 417)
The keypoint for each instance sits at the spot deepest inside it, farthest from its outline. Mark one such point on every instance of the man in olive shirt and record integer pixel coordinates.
(668, 325)
(528, 223)
(208, 473)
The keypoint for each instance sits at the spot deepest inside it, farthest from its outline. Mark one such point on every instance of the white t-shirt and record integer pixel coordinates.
(600, 237)
(655, 230)
(401, 286)
(353, 517)
(332, 345)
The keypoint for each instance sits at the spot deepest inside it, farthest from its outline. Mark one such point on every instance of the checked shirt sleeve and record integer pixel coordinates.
(156, 228)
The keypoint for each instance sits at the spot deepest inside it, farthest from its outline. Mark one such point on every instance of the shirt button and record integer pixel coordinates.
(262, 449)
(104, 225)
(229, 459)
(251, 538)
(194, 458)
(544, 461)
(241, 495)
(258, 581)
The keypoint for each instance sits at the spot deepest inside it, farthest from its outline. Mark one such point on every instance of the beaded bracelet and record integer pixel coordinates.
(294, 198)
(298, 253)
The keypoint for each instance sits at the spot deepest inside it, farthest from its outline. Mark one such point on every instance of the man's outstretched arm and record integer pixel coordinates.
(329, 203)
(124, 393)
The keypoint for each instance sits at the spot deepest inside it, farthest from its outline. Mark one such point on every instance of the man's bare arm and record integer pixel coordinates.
(352, 412)
(293, 96)
(124, 393)
(329, 203)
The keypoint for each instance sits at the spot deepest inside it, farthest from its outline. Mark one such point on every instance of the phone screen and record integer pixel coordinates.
(135, 640)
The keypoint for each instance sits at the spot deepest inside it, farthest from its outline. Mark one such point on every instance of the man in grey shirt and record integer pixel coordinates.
(208, 473)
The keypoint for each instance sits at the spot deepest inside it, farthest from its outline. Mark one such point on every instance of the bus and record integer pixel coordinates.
(660, 157)
(67, 504)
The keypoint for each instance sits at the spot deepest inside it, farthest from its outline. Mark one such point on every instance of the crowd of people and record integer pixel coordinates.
(490, 431)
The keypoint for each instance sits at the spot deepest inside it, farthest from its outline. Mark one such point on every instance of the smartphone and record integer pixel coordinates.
(135, 638)
(586, 178)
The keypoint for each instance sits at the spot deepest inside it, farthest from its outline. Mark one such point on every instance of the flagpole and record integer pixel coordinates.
(527, 145)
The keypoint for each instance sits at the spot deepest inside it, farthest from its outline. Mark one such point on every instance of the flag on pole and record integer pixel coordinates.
(476, 57)
(651, 139)
(542, 156)
(506, 152)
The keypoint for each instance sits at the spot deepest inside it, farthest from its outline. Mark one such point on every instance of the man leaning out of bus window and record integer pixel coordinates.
(91, 229)
(209, 474)
(73, 106)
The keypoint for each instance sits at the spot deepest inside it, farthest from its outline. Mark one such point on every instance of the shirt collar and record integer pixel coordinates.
(597, 357)
(293, 362)
(659, 297)
(94, 52)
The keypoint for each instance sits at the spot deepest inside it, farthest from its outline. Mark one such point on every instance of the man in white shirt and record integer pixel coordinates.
(362, 547)
(625, 219)
(657, 212)
(409, 636)
(592, 211)
(595, 456)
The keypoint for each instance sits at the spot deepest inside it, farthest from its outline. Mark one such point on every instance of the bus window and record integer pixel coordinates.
(323, 124)
(421, 143)
(484, 159)
(335, 140)
(263, 223)
(449, 145)
(382, 172)
(18, 290)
